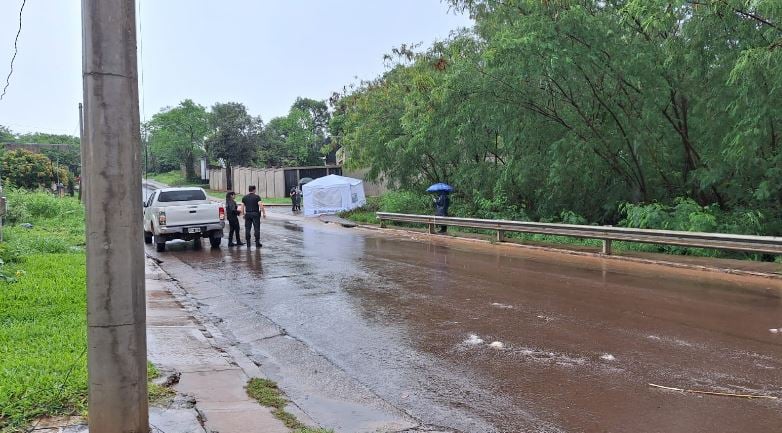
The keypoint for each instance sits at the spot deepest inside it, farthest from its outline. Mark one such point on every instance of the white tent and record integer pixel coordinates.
(331, 194)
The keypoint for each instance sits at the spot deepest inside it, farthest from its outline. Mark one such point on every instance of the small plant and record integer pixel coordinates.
(3, 275)
(267, 393)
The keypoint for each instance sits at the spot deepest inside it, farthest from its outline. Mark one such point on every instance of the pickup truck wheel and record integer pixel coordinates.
(147, 237)
(160, 244)
(215, 241)
(197, 243)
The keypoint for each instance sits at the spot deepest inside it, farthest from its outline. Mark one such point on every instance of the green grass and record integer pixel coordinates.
(157, 394)
(171, 178)
(43, 339)
(266, 392)
(268, 200)
(43, 329)
(360, 216)
(276, 200)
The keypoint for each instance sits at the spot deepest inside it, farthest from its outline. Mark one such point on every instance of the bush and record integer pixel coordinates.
(405, 202)
(687, 215)
(9, 253)
(27, 207)
(26, 169)
(17, 213)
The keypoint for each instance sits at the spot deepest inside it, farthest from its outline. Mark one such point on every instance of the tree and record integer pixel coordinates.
(176, 135)
(69, 156)
(234, 135)
(6, 134)
(581, 106)
(318, 111)
(26, 169)
(299, 138)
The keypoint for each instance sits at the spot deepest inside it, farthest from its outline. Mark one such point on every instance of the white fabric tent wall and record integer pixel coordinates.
(331, 194)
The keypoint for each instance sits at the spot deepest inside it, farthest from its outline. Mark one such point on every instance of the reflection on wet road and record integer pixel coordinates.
(492, 338)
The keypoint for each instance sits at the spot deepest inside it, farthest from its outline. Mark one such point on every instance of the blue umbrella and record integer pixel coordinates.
(440, 187)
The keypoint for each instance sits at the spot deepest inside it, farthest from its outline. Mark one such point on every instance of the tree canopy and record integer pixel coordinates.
(579, 106)
(26, 169)
(234, 133)
(176, 135)
(299, 138)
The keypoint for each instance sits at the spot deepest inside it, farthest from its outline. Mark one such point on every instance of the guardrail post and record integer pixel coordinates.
(607, 247)
(431, 229)
(382, 223)
(500, 235)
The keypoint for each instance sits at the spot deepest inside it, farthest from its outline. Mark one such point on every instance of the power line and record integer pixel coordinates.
(16, 50)
(141, 66)
(145, 132)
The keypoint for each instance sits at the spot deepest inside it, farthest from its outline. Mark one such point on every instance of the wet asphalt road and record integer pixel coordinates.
(478, 337)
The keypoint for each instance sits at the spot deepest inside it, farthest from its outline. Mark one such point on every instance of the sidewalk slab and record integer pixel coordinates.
(177, 342)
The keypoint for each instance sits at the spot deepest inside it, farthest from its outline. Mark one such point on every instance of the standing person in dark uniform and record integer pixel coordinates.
(232, 209)
(253, 208)
(294, 199)
(441, 204)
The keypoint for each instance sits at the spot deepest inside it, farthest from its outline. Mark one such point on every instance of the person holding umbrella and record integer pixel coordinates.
(441, 201)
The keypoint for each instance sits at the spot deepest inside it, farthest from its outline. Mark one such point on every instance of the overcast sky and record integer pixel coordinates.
(263, 53)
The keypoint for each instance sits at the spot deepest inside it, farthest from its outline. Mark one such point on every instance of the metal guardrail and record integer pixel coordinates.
(747, 243)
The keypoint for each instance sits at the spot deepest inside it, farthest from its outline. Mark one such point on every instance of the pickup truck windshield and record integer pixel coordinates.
(183, 195)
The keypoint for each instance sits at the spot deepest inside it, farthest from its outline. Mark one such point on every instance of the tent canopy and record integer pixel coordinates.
(331, 194)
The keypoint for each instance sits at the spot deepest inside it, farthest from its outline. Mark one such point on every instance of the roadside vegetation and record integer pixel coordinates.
(684, 215)
(42, 309)
(158, 394)
(642, 113)
(171, 178)
(43, 320)
(267, 393)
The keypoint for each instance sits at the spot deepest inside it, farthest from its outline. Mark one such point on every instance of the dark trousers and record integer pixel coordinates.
(250, 220)
(233, 228)
(442, 213)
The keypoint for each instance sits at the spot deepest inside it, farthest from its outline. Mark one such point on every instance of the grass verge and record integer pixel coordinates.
(268, 200)
(266, 392)
(401, 203)
(171, 178)
(43, 306)
(43, 329)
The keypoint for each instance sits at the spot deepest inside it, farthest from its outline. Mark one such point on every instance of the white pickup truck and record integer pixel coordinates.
(182, 213)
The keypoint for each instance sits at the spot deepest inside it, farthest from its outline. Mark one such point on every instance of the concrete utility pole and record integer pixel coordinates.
(115, 256)
(81, 149)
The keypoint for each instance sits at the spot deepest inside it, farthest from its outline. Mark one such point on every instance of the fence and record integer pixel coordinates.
(270, 182)
(277, 182)
(747, 243)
